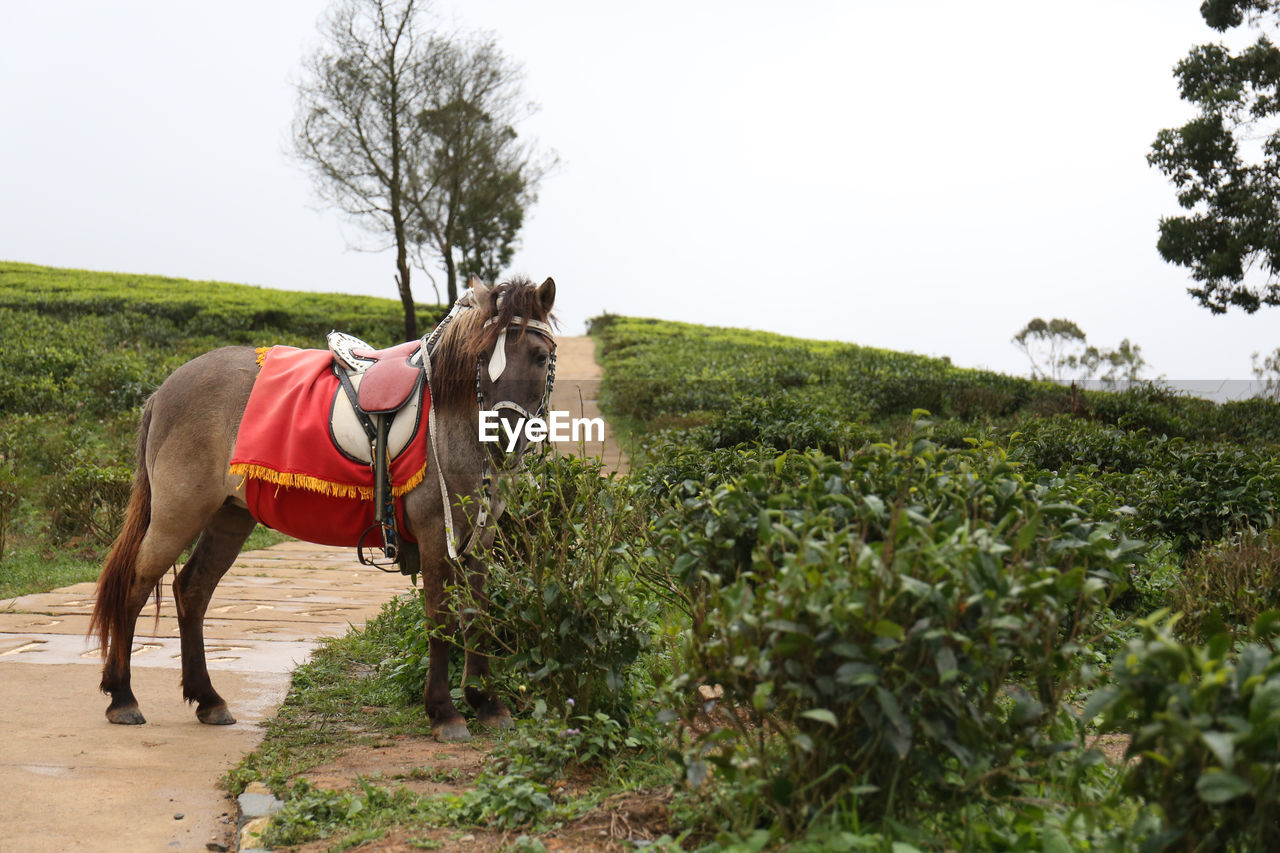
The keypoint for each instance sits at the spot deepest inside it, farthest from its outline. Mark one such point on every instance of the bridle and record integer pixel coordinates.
(497, 366)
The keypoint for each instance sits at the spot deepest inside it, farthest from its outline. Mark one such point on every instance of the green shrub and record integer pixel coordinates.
(907, 622)
(8, 502)
(1060, 443)
(1197, 494)
(90, 500)
(1226, 587)
(311, 813)
(1204, 728)
(786, 422)
(565, 616)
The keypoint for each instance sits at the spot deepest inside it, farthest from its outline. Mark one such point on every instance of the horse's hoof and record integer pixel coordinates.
(218, 715)
(454, 731)
(500, 722)
(126, 715)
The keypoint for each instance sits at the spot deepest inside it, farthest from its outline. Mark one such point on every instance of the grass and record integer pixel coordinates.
(348, 700)
(336, 701)
(29, 568)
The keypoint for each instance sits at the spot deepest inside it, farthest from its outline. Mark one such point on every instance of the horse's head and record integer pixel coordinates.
(501, 354)
(512, 376)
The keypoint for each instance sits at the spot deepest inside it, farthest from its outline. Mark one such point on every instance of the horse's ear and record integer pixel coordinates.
(547, 294)
(479, 290)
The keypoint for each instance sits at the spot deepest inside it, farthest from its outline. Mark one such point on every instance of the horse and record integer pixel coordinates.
(183, 491)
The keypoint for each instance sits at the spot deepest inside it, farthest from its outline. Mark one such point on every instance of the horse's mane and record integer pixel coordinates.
(465, 339)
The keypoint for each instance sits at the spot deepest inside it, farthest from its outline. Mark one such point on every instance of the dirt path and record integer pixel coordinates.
(74, 782)
(577, 391)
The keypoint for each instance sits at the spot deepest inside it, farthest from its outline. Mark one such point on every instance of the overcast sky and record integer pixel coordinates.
(922, 176)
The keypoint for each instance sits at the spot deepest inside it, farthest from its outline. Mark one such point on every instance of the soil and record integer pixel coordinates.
(426, 767)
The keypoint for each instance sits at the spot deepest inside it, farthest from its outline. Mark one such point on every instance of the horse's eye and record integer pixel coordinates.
(541, 359)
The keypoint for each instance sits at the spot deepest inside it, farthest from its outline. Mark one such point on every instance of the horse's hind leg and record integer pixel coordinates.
(215, 552)
(159, 550)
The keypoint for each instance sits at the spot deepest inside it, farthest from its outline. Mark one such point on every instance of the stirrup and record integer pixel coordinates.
(390, 548)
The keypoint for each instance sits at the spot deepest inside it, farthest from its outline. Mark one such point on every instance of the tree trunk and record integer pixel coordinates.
(452, 269)
(406, 299)
(402, 284)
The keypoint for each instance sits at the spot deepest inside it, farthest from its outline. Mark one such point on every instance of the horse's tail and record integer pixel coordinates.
(111, 609)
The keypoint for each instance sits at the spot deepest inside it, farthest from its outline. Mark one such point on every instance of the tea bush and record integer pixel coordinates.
(821, 591)
(1227, 586)
(566, 611)
(906, 622)
(1204, 724)
(8, 503)
(89, 500)
(1196, 494)
(1060, 443)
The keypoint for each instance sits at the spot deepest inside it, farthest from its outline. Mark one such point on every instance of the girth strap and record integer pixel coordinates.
(377, 428)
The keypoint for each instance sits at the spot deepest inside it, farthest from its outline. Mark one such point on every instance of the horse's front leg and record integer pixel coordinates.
(447, 723)
(490, 710)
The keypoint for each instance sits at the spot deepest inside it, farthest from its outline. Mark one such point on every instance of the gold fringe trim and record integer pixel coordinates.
(323, 487)
(302, 481)
(261, 352)
(410, 484)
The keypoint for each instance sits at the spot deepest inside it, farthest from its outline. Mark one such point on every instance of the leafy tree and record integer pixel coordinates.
(353, 126)
(1267, 372)
(1051, 347)
(1225, 163)
(1123, 364)
(1058, 348)
(409, 132)
(482, 176)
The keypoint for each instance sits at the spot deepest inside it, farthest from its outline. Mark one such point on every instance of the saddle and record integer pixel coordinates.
(376, 412)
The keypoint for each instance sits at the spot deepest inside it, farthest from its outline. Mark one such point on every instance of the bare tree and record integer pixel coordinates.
(410, 133)
(353, 126)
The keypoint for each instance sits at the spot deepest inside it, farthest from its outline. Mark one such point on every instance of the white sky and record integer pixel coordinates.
(922, 176)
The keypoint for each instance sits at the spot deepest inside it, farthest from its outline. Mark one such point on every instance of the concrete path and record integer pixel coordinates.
(74, 782)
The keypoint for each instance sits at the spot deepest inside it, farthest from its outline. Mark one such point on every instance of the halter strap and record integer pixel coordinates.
(498, 361)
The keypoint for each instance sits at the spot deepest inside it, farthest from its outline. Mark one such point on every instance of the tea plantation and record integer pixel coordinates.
(845, 599)
(925, 591)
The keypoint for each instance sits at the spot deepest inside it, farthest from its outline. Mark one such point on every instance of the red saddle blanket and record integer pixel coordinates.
(296, 479)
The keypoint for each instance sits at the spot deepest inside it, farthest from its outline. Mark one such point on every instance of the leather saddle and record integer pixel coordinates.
(387, 385)
(376, 412)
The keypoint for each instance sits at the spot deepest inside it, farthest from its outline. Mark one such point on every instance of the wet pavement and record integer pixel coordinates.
(76, 782)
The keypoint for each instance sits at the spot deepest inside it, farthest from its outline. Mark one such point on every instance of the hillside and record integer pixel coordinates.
(918, 575)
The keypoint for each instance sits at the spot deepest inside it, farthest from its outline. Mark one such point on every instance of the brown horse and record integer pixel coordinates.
(183, 492)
